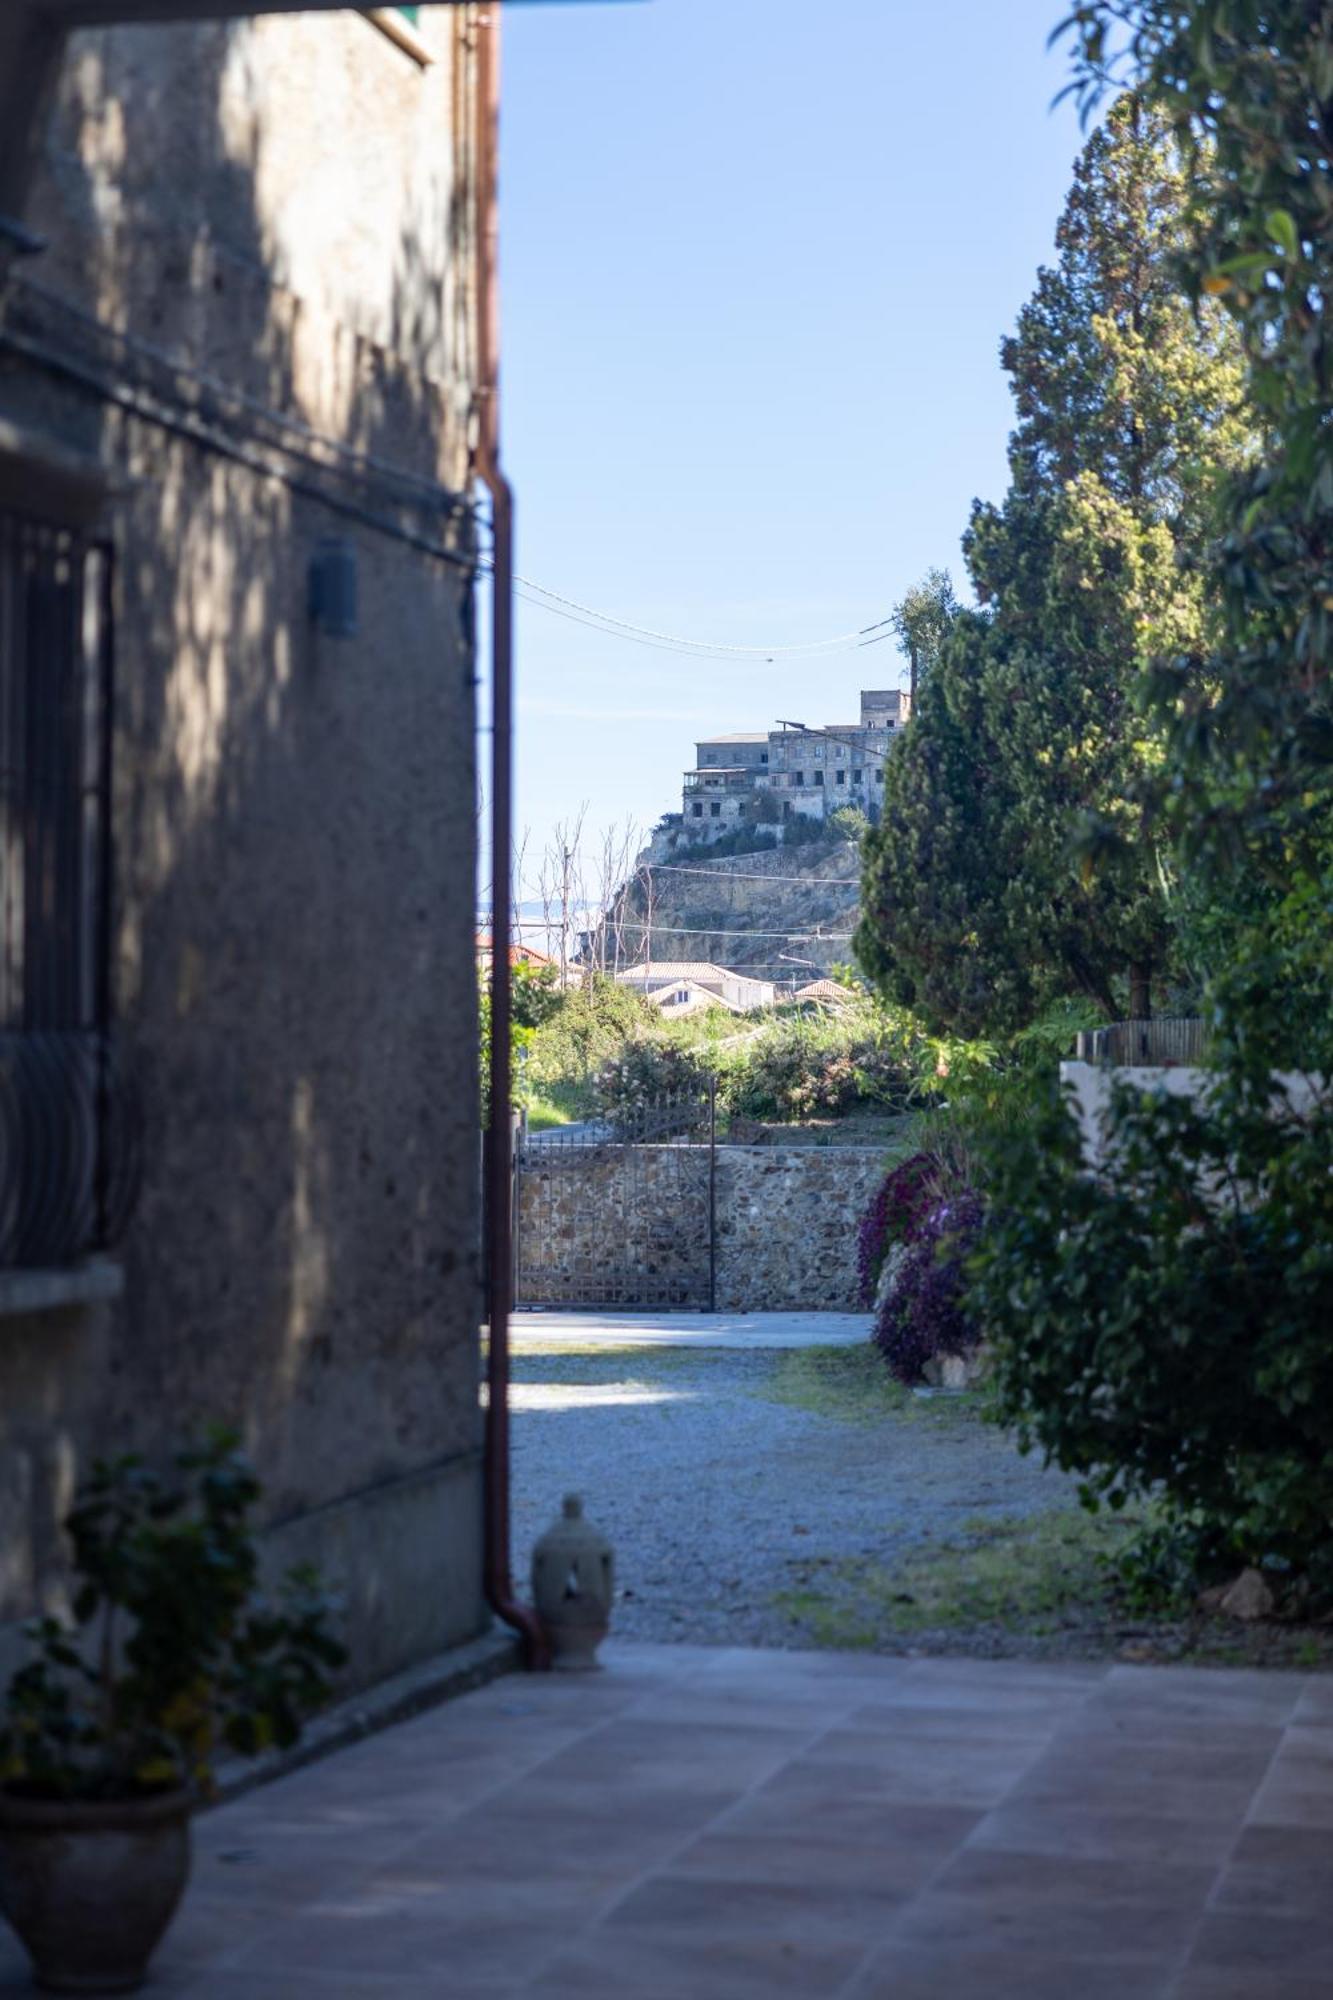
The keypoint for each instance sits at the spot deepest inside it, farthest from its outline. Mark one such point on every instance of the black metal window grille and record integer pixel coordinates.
(67, 1152)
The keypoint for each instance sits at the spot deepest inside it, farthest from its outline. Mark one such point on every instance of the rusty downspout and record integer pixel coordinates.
(499, 1138)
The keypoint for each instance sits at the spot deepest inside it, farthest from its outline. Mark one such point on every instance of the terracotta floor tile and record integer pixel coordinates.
(700, 1908)
(1274, 1951)
(950, 1973)
(839, 1813)
(1306, 1749)
(1078, 1829)
(1296, 1848)
(1210, 1758)
(939, 1723)
(1291, 1798)
(1280, 1890)
(1250, 1695)
(904, 1772)
(624, 1964)
(1034, 1926)
(1316, 1703)
(1077, 1881)
(321, 1986)
(796, 1857)
(630, 1753)
(1136, 1786)
(711, 1824)
(1209, 1983)
(386, 1944)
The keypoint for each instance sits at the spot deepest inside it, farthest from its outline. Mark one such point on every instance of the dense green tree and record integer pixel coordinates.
(1163, 1326)
(922, 621)
(1016, 858)
(1248, 779)
(934, 931)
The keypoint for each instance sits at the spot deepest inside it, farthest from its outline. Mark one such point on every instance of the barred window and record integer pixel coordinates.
(64, 1174)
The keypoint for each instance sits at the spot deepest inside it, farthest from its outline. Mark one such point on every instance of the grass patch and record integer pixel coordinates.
(853, 1385)
(1011, 1572)
(546, 1112)
(849, 1383)
(1038, 1585)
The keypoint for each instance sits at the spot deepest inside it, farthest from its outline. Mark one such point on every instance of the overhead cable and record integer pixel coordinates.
(574, 608)
(744, 875)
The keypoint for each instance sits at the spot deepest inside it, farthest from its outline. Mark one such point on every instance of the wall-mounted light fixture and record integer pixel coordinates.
(332, 588)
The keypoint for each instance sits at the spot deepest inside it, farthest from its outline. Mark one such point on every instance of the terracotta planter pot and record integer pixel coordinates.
(91, 1887)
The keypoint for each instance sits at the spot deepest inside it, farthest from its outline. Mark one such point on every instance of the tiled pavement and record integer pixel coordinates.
(695, 1824)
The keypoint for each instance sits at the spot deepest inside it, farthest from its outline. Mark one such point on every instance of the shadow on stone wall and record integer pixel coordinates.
(294, 814)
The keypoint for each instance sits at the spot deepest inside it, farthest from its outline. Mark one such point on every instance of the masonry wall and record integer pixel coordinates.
(276, 214)
(787, 1225)
(598, 1227)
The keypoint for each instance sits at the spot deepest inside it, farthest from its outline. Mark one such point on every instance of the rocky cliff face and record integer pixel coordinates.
(783, 914)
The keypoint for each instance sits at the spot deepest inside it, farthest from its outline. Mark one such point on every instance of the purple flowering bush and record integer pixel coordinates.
(923, 1315)
(912, 1247)
(894, 1216)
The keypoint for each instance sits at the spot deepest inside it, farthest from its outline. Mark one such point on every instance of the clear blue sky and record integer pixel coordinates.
(758, 257)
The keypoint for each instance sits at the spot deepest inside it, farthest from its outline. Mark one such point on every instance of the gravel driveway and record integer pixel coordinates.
(719, 1499)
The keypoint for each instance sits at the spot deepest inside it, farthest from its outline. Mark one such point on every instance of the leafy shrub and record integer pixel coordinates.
(1163, 1326)
(849, 823)
(591, 1022)
(926, 1311)
(800, 1070)
(644, 1072)
(172, 1652)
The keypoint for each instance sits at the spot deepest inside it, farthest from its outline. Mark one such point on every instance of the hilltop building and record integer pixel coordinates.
(768, 777)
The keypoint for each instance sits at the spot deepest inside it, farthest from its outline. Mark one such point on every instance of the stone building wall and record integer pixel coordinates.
(596, 1227)
(253, 330)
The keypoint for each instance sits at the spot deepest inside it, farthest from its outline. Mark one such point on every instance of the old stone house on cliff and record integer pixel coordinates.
(768, 777)
(237, 981)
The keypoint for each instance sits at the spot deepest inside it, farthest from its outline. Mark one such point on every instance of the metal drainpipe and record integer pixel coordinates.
(499, 1147)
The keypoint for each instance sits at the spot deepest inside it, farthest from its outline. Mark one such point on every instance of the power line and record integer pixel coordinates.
(744, 875)
(697, 645)
(680, 930)
(714, 930)
(572, 607)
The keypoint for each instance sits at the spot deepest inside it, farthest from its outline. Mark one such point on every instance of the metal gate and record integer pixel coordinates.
(621, 1213)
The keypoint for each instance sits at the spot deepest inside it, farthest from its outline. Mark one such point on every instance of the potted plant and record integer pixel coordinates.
(111, 1730)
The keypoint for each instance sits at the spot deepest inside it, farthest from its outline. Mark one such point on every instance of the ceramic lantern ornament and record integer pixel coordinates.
(572, 1583)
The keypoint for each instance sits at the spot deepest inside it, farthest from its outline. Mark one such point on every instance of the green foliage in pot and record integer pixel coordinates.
(172, 1654)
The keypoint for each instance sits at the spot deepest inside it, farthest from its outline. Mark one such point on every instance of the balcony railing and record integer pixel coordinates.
(69, 1147)
(1165, 1043)
(738, 780)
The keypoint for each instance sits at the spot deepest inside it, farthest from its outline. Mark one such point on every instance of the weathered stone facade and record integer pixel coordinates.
(591, 1221)
(787, 1223)
(252, 331)
(752, 778)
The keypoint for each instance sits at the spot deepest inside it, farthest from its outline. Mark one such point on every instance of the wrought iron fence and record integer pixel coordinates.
(69, 1147)
(1161, 1044)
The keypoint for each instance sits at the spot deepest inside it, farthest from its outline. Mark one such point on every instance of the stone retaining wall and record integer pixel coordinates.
(611, 1225)
(787, 1218)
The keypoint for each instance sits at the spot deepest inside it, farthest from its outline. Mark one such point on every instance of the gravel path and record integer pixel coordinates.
(718, 1498)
